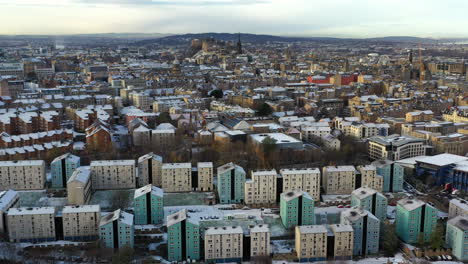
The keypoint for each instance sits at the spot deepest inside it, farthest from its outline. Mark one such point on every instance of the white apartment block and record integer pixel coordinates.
(31, 225)
(364, 130)
(457, 207)
(339, 179)
(311, 132)
(395, 147)
(142, 101)
(22, 175)
(369, 177)
(261, 188)
(79, 189)
(307, 180)
(8, 199)
(344, 241)
(260, 241)
(177, 177)
(311, 242)
(223, 243)
(81, 223)
(149, 170)
(113, 174)
(163, 138)
(205, 176)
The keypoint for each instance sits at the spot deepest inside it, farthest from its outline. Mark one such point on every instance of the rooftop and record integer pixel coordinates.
(224, 230)
(312, 229)
(81, 209)
(442, 159)
(31, 211)
(461, 222)
(112, 163)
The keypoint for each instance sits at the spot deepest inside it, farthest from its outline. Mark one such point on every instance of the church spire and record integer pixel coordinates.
(239, 45)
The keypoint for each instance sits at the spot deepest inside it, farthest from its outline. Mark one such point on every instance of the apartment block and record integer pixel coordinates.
(457, 207)
(311, 243)
(113, 174)
(117, 229)
(392, 174)
(31, 225)
(224, 244)
(339, 179)
(163, 138)
(79, 189)
(456, 237)
(8, 199)
(260, 241)
(395, 147)
(261, 188)
(415, 218)
(370, 200)
(177, 177)
(366, 230)
(297, 208)
(148, 205)
(62, 168)
(307, 180)
(204, 177)
(81, 223)
(150, 170)
(231, 181)
(22, 175)
(183, 237)
(370, 178)
(342, 243)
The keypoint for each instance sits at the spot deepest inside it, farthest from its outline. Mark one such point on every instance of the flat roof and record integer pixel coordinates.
(112, 163)
(312, 229)
(95, 208)
(224, 230)
(31, 210)
(186, 165)
(279, 137)
(15, 163)
(442, 159)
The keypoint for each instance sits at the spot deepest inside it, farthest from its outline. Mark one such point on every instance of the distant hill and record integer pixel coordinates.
(254, 38)
(245, 37)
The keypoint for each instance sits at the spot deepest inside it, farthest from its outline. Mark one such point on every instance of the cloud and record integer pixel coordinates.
(176, 2)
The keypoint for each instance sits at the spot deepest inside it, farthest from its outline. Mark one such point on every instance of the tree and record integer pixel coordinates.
(390, 243)
(268, 147)
(218, 94)
(264, 110)
(123, 256)
(163, 117)
(436, 241)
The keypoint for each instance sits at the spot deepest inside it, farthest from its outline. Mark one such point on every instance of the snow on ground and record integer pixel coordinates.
(78, 145)
(282, 246)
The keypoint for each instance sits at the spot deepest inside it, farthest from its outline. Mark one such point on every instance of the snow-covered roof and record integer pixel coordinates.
(112, 163)
(31, 211)
(442, 159)
(74, 209)
(224, 230)
(16, 163)
(186, 165)
(7, 198)
(149, 188)
(259, 229)
(312, 229)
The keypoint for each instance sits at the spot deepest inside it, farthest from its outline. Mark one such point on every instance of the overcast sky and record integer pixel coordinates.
(340, 18)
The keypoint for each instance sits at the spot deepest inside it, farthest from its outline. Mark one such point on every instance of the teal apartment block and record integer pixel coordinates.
(117, 230)
(297, 208)
(183, 237)
(231, 180)
(370, 200)
(366, 230)
(392, 174)
(456, 237)
(62, 168)
(148, 205)
(413, 219)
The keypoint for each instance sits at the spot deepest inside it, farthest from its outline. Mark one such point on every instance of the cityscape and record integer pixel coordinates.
(255, 141)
